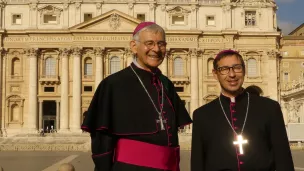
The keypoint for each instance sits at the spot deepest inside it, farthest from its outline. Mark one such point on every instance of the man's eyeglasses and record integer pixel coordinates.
(150, 44)
(238, 68)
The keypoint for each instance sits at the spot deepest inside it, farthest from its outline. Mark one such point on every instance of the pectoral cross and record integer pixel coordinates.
(240, 143)
(161, 121)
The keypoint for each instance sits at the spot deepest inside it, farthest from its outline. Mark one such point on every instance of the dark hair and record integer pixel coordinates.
(226, 53)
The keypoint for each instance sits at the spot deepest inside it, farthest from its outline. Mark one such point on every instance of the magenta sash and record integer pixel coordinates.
(147, 155)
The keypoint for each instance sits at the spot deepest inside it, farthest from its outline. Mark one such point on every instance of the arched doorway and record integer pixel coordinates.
(49, 115)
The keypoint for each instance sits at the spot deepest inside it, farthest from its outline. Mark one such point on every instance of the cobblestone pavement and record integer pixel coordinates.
(49, 161)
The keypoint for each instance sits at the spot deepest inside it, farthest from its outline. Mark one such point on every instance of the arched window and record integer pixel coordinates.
(15, 113)
(210, 65)
(50, 66)
(252, 67)
(178, 66)
(88, 66)
(114, 64)
(16, 67)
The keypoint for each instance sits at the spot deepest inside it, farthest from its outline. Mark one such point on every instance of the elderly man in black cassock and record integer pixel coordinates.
(238, 131)
(135, 114)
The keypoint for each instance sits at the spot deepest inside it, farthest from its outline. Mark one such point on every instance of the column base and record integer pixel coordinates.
(32, 131)
(64, 131)
(76, 130)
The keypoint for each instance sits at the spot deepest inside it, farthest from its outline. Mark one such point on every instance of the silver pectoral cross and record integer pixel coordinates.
(240, 141)
(161, 121)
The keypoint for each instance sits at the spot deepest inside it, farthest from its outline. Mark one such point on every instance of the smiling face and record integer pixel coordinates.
(231, 82)
(149, 56)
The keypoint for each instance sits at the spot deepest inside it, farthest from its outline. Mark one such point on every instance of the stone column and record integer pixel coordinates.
(33, 89)
(200, 78)
(57, 114)
(152, 12)
(33, 15)
(194, 20)
(76, 113)
(66, 15)
(78, 12)
(194, 80)
(64, 107)
(1, 15)
(99, 52)
(131, 9)
(164, 65)
(163, 16)
(98, 8)
(129, 56)
(272, 74)
(40, 114)
(227, 16)
(2, 122)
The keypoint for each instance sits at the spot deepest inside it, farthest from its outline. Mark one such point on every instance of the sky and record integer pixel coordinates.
(290, 14)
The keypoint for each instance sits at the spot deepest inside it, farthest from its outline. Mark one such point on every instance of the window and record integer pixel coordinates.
(50, 19)
(210, 66)
(50, 66)
(141, 17)
(178, 19)
(88, 67)
(49, 89)
(179, 89)
(210, 21)
(87, 16)
(252, 67)
(87, 88)
(286, 77)
(178, 67)
(250, 18)
(114, 64)
(15, 67)
(285, 53)
(17, 19)
(15, 113)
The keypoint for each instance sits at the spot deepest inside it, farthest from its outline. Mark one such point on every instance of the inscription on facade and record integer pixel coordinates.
(181, 39)
(67, 39)
(214, 40)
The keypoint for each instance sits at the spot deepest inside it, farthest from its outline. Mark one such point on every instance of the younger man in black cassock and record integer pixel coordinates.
(134, 116)
(238, 131)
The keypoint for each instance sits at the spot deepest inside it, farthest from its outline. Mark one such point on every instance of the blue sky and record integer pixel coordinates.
(290, 14)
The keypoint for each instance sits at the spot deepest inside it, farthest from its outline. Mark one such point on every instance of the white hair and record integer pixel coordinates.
(154, 28)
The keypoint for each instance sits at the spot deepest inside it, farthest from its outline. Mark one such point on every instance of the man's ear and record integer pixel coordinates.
(214, 72)
(133, 47)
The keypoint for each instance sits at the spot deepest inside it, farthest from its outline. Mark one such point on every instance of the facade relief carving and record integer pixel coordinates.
(64, 52)
(99, 51)
(114, 21)
(293, 108)
(32, 52)
(77, 51)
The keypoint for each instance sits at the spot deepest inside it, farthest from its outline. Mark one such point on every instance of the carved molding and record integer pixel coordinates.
(178, 10)
(77, 51)
(32, 52)
(64, 52)
(98, 5)
(99, 51)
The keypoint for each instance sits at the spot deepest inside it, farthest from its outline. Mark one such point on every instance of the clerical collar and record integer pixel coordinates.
(234, 99)
(157, 71)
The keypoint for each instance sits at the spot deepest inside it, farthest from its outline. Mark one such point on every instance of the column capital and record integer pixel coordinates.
(98, 5)
(130, 5)
(193, 52)
(64, 52)
(273, 54)
(77, 5)
(66, 6)
(194, 7)
(128, 51)
(152, 6)
(32, 52)
(99, 51)
(77, 51)
(33, 6)
(163, 7)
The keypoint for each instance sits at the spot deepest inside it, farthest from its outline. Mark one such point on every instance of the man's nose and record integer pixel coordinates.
(231, 72)
(156, 47)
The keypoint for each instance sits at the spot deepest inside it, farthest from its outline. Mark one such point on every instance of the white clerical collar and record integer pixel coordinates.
(232, 99)
(137, 64)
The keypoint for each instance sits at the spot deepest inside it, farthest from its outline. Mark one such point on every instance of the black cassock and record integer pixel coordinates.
(121, 109)
(212, 137)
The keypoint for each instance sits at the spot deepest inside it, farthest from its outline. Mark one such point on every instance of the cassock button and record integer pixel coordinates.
(164, 112)
(241, 162)
(170, 135)
(234, 119)
(235, 127)
(169, 127)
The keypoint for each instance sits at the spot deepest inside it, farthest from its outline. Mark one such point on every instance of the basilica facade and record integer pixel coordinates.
(54, 53)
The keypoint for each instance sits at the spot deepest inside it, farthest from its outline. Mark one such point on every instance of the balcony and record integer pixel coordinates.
(293, 88)
(180, 79)
(49, 79)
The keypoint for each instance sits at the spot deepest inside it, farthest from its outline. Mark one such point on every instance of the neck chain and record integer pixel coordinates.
(228, 119)
(162, 87)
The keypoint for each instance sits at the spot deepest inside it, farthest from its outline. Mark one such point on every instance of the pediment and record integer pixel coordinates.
(178, 10)
(113, 20)
(49, 9)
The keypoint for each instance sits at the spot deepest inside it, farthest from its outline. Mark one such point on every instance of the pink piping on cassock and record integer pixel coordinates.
(159, 157)
(103, 154)
(237, 155)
